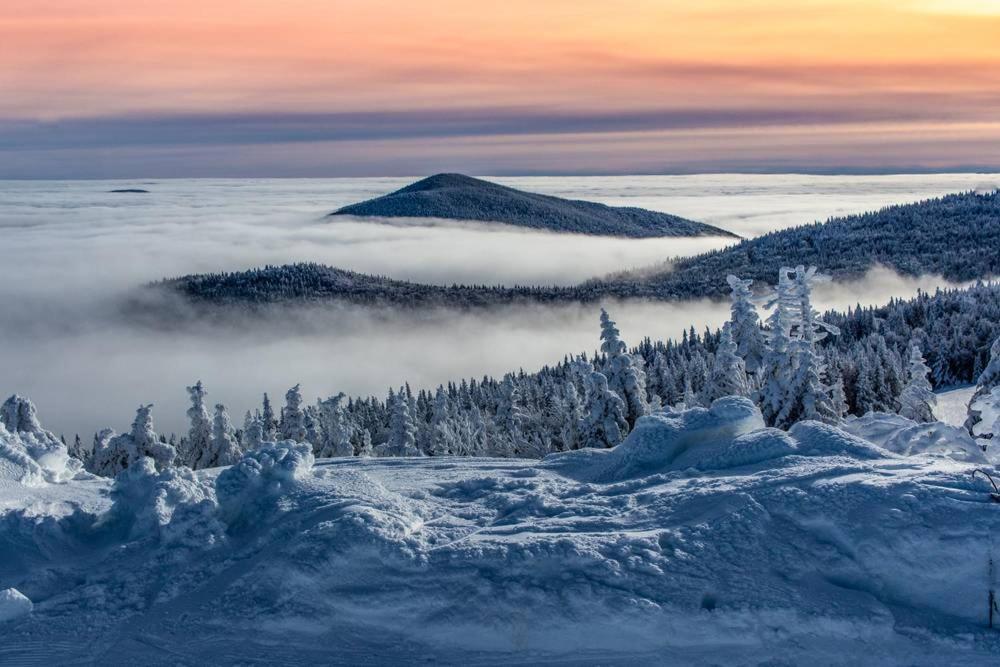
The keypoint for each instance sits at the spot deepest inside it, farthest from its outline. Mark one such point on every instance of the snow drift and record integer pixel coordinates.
(703, 538)
(28, 453)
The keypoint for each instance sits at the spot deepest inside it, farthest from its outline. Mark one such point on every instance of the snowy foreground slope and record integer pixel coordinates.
(703, 538)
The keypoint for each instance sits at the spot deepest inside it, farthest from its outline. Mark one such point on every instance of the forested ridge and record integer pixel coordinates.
(956, 237)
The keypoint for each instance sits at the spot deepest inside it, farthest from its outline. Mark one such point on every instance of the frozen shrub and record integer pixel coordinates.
(248, 488)
(172, 505)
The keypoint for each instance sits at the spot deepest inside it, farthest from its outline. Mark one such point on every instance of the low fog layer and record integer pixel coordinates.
(72, 249)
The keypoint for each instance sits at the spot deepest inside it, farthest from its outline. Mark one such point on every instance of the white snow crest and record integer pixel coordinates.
(13, 604)
(29, 454)
(909, 438)
(173, 505)
(246, 488)
(677, 440)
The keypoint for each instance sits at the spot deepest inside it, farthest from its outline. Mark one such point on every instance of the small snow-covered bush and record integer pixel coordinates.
(114, 455)
(28, 453)
(246, 489)
(173, 505)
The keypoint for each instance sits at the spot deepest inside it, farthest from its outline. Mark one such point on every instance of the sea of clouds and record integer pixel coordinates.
(72, 250)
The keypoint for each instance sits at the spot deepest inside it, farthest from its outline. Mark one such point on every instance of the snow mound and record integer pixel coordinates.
(247, 489)
(750, 448)
(172, 505)
(13, 604)
(29, 454)
(678, 440)
(818, 439)
(908, 438)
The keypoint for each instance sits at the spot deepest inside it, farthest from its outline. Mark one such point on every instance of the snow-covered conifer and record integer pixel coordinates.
(571, 414)
(366, 450)
(746, 330)
(223, 449)
(336, 427)
(442, 425)
(838, 396)
(728, 376)
(199, 438)
(508, 422)
(402, 431)
(114, 454)
(293, 421)
(807, 397)
(625, 373)
(253, 432)
(987, 408)
(777, 366)
(988, 380)
(917, 400)
(314, 428)
(269, 422)
(604, 423)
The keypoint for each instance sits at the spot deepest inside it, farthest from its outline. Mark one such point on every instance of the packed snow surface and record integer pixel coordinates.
(953, 405)
(13, 604)
(703, 539)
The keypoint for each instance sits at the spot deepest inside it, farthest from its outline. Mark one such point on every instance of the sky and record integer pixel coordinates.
(116, 88)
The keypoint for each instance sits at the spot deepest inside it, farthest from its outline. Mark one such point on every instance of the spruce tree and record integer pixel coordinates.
(728, 376)
(604, 423)
(917, 400)
(199, 439)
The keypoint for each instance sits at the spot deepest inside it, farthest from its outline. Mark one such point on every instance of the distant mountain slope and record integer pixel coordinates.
(957, 237)
(307, 282)
(458, 197)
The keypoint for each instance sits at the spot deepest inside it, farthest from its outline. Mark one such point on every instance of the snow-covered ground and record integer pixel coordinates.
(703, 539)
(953, 405)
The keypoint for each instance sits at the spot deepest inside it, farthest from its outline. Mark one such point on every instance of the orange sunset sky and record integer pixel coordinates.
(92, 88)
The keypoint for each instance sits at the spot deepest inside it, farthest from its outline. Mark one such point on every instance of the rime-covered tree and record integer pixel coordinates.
(988, 380)
(269, 423)
(117, 453)
(314, 427)
(728, 376)
(509, 419)
(199, 440)
(293, 420)
(223, 449)
(604, 423)
(917, 400)
(336, 427)
(77, 450)
(986, 430)
(807, 397)
(746, 329)
(402, 432)
(443, 440)
(838, 396)
(253, 432)
(778, 364)
(572, 416)
(625, 373)
(366, 450)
